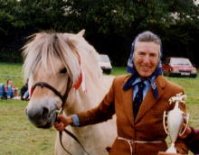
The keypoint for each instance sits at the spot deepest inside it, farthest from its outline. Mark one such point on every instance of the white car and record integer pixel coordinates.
(105, 63)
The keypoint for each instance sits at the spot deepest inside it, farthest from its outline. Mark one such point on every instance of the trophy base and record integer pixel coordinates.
(165, 153)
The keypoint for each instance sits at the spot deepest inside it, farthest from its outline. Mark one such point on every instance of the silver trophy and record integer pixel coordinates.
(173, 121)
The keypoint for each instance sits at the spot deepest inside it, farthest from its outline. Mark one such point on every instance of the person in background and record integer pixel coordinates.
(2, 91)
(24, 93)
(138, 99)
(10, 90)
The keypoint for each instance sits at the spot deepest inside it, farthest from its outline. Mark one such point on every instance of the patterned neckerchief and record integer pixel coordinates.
(134, 74)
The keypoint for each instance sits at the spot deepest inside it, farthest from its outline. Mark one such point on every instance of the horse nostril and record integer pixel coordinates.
(45, 113)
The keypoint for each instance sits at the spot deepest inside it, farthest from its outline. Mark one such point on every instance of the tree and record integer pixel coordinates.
(19, 19)
(110, 25)
(42, 14)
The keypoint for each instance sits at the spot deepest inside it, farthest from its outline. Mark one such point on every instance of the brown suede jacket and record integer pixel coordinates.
(143, 135)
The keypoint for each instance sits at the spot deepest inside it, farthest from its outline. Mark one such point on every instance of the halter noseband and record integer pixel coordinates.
(46, 85)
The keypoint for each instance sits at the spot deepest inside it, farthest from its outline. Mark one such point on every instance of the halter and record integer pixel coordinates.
(63, 99)
(46, 85)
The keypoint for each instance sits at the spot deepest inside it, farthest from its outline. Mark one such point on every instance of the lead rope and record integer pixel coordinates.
(60, 133)
(74, 137)
(71, 135)
(60, 139)
(67, 131)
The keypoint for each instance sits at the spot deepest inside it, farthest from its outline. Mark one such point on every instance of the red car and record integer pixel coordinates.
(178, 66)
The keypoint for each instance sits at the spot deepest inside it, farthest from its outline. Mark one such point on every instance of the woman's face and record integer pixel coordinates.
(146, 58)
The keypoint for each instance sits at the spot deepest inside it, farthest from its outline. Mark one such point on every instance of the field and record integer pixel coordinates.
(19, 137)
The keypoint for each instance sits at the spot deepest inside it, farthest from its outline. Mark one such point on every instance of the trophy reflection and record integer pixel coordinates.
(173, 121)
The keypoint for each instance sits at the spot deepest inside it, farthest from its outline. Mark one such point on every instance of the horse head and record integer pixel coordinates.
(53, 66)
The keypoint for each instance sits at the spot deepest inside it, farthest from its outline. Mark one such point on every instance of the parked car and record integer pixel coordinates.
(105, 63)
(179, 66)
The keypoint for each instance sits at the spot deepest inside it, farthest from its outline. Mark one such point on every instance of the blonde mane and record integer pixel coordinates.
(43, 49)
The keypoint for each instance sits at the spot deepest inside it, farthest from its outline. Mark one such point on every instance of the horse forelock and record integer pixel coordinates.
(44, 49)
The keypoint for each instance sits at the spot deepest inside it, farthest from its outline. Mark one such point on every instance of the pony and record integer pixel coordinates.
(63, 73)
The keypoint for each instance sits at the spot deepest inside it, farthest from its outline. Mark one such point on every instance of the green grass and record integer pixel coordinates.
(19, 137)
(11, 71)
(191, 86)
(118, 70)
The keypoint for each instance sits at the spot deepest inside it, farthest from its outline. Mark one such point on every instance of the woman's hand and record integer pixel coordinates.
(186, 132)
(62, 122)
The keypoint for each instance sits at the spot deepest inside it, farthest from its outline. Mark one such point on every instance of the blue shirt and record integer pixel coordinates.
(135, 87)
(75, 119)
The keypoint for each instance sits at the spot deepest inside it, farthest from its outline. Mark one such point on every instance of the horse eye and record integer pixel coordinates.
(64, 70)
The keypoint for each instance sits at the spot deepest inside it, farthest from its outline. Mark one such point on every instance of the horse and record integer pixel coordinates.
(63, 73)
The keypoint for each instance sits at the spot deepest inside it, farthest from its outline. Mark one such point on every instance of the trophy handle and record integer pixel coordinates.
(186, 125)
(164, 122)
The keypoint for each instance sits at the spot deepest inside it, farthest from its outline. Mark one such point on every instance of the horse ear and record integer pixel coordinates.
(81, 33)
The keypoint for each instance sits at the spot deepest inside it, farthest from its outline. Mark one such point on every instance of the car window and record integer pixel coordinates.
(104, 58)
(180, 61)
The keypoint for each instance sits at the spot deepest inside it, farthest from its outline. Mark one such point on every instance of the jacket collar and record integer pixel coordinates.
(149, 99)
(147, 103)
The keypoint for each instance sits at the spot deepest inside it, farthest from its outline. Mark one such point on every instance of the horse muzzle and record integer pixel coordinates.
(42, 116)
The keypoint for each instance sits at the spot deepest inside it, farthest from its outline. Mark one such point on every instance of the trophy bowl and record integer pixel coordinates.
(173, 121)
